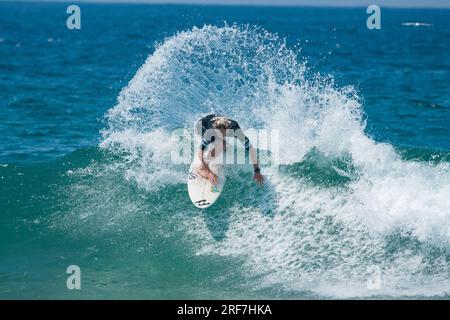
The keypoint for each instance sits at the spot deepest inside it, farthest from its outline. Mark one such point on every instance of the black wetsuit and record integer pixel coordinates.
(206, 123)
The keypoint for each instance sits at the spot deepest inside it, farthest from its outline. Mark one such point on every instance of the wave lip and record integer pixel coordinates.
(341, 203)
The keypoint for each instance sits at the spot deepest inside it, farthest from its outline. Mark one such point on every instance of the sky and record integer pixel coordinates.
(359, 3)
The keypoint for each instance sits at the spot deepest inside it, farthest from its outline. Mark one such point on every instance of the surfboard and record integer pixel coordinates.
(202, 192)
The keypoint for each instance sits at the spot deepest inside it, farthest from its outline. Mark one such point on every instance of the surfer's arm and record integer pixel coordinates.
(201, 157)
(253, 158)
(239, 134)
(258, 177)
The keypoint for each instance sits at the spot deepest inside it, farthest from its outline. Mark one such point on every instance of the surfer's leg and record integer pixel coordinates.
(224, 147)
(217, 150)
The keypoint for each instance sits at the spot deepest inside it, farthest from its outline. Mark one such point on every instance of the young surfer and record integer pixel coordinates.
(212, 128)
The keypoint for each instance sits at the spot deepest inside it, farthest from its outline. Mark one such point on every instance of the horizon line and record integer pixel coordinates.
(232, 3)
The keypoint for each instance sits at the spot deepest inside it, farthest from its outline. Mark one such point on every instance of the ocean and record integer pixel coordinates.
(359, 206)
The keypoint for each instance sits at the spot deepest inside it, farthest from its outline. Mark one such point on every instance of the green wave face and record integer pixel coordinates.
(276, 242)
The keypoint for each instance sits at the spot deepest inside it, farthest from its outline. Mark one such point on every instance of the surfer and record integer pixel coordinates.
(212, 128)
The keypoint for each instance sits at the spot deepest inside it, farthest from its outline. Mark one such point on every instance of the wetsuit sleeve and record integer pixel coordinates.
(204, 144)
(205, 125)
(239, 134)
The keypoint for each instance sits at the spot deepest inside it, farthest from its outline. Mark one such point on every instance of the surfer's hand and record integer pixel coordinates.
(206, 173)
(212, 177)
(259, 178)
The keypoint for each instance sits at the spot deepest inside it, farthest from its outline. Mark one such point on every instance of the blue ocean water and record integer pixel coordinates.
(85, 176)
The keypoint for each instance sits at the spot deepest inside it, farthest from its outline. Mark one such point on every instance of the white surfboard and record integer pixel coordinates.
(201, 191)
